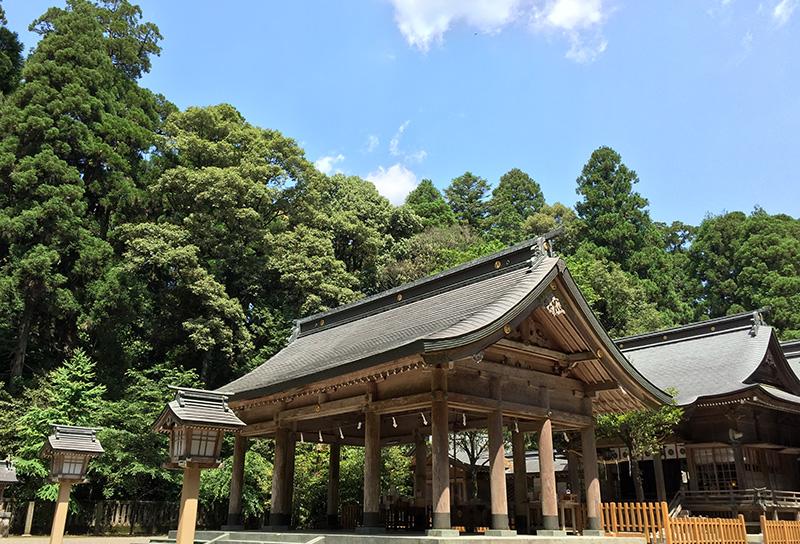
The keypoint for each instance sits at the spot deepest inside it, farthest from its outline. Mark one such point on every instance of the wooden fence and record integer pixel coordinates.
(652, 521)
(780, 532)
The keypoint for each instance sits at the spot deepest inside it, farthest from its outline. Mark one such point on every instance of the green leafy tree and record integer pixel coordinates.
(10, 57)
(467, 195)
(428, 203)
(68, 395)
(643, 432)
(549, 218)
(74, 138)
(744, 262)
(516, 198)
(613, 216)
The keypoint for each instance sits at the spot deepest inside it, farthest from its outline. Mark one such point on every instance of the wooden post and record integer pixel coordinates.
(333, 485)
(187, 520)
(288, 497)
(547, 471)
(60, 516)
(372, 471)
(237, 483)
(661, 488)
(277, 517)
(591, 480)
(520, 483)
(420, 469)
(572, 471)
(741, 469)
(497, 472)
(440, 460)
(29, 518)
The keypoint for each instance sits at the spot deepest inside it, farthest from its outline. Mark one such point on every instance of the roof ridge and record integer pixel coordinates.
(499, 262)
(698, 329)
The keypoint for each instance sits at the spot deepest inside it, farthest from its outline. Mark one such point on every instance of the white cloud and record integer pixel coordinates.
(423, 22)
(783, 11)
(409, 156)
(580, 21)
(372, 143)
(394, 182)
(326, 164)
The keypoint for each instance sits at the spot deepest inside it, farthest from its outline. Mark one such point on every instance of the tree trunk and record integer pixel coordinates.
(24, 333)
(637, 480)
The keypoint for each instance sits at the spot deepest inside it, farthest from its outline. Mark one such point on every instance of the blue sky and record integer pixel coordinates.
(700, 97)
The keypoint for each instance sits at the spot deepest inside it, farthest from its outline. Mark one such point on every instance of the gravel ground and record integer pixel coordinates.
(78, 540)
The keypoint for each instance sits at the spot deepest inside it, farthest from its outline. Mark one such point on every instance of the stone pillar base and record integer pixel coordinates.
(445, 533)
(500, 532)
(550, 532)
(593, 532)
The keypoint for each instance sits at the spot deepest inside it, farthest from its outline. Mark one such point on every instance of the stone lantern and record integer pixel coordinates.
(69, 450)
(8, 476)
(195, 421)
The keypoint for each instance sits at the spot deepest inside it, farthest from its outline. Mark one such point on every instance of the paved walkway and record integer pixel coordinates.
(78, 540)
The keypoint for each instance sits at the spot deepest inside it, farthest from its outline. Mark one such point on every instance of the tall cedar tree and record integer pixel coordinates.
(466, 195)
(74, 138)
(516, 198)
(614, 216)
(10, 57)
(428, 203)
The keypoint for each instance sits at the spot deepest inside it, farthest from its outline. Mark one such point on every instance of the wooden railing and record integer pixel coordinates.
(707, 530)
(652, 521)
(648, 519)
(780, 532)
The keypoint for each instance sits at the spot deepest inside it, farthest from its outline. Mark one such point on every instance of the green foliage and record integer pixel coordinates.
(428, 203)
(215, 485)
(516, 198)
(744, 262)
(467, 195)
(642, 431)
(10, 57)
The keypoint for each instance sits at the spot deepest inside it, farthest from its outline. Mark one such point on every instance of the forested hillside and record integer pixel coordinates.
(141, 246)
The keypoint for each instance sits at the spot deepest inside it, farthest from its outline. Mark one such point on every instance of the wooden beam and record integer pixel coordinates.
(401, 404)
(544, 353)
(325, 409)
(602, 386)
(516, 409)
(259, 429)
(535, 377)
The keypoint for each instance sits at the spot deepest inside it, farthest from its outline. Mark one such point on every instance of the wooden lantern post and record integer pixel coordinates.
(69, 449)
(196, 421)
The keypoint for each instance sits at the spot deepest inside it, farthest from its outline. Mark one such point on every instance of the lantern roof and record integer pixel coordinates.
(8, 474)
(198, 408)
(69, 439)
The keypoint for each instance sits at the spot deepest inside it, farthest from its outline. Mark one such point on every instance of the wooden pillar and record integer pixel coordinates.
(29, 518)
(237, 483)
(497, 472)
(420, 469)
(694, 484)
(572, 471)
(440, 450)
(591, 480)
(277, 516)
(60, 516)
(288, 497)
(187, 520)
(547, 471)
(661, 488)
(333, 485)
(372, 470)
(521, 508)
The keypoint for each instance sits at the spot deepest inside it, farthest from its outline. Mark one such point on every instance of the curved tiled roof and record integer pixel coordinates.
(792, 352)
(452, 309)
(709, 358)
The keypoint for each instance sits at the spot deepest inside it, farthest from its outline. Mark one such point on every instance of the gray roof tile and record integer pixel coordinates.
(196, 407)
(8, 474)
(67, 439)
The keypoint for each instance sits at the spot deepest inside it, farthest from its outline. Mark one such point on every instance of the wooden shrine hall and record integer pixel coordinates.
(503, 342)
